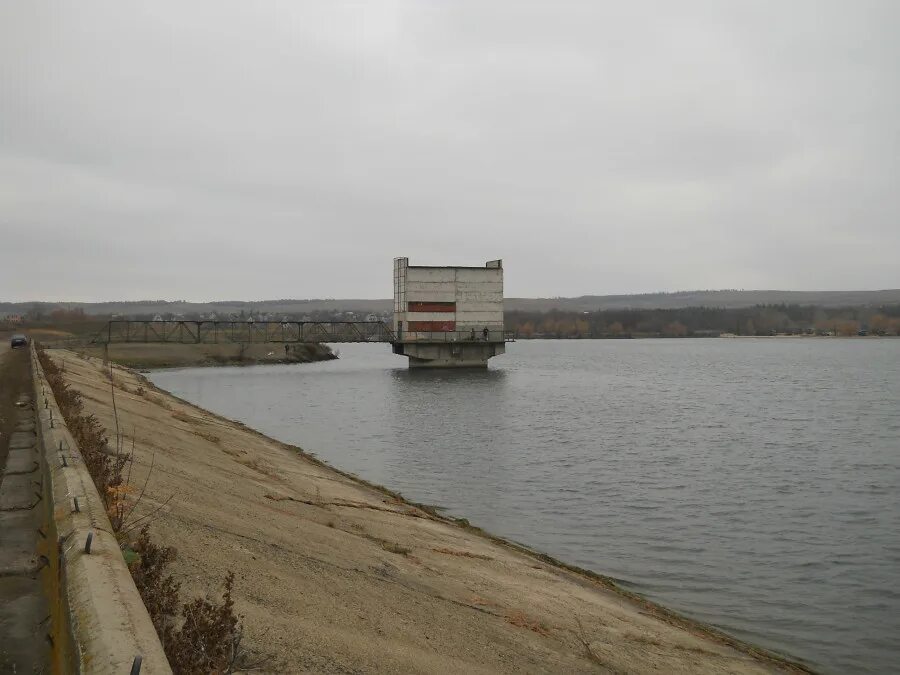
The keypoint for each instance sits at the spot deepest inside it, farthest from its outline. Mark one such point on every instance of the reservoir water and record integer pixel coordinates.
(753, 484)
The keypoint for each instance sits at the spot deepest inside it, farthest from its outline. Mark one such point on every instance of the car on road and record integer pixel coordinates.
(18, 341)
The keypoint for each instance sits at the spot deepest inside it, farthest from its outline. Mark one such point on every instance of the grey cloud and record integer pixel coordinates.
(282, 149)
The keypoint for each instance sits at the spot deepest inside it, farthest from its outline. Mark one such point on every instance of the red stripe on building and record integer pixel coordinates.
(432, 326)
(432, 307)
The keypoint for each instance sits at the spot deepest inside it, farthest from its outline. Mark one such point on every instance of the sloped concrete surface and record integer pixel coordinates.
(18, 555)
(21, 461)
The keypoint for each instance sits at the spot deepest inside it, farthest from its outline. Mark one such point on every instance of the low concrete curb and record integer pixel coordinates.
(100, 613)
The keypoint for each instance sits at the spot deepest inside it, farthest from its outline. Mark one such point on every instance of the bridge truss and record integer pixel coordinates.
(211, 332)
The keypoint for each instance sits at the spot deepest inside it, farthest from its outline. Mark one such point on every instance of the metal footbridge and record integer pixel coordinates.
(242, 332)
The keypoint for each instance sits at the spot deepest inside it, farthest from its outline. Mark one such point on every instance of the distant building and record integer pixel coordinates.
(448, 316)
(13, 318)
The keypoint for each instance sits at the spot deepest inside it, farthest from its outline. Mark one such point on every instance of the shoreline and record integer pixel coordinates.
(435, 510)
(151, 356)
(587, 580)
(725, 336)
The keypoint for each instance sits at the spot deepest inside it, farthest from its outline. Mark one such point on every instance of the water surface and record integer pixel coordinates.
(753, 484)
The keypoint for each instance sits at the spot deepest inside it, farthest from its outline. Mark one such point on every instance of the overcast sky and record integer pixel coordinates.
(251, 150)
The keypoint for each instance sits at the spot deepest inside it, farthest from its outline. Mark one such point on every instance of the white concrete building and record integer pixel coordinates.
(448, 316)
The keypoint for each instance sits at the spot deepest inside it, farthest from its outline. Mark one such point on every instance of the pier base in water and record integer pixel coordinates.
(449, 354)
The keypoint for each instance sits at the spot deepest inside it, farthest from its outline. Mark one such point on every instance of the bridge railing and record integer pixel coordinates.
(211, 332)
(455, 336)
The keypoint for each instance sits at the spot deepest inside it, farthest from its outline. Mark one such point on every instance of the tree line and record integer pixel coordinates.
(759, 320)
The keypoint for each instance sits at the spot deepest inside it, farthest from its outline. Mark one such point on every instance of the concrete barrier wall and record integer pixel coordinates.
(102, 616)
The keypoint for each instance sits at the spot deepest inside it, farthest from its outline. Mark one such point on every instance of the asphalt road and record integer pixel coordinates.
(24, 647)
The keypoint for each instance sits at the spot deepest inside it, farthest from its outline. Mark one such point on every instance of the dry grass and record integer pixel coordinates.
(182, 417)
(520, 619)
(206, 436)
(589, 651)
(158, 400)
(105, 465)
(393, 547)
(461, 554)
(642, 639)
(206, 637)
(200, 636)
(195, 421)
(695, 650)
(175, 355)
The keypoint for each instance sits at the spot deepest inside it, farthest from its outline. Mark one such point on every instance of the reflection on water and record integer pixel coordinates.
(754, 484)
(455, 377)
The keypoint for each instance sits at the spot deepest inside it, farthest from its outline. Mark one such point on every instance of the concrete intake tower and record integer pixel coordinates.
(448, 317)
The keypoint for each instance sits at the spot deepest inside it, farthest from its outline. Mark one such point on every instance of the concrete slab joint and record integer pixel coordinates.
(103, 617)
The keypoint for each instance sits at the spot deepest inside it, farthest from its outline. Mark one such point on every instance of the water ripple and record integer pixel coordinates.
(753, 484)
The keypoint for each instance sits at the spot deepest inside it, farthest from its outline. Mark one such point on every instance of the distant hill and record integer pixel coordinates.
(728, 299)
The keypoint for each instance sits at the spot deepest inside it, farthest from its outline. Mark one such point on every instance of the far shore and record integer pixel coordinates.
(143, 356)
(710, 337)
